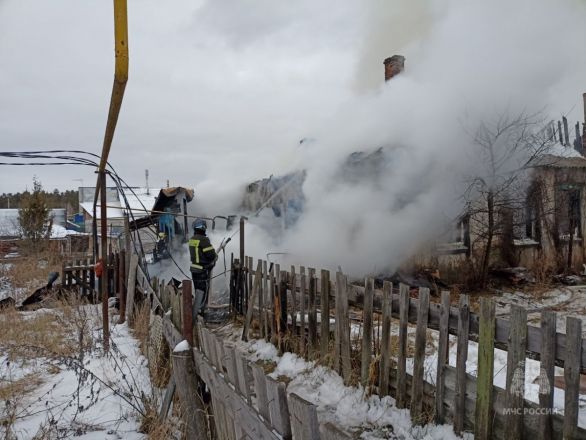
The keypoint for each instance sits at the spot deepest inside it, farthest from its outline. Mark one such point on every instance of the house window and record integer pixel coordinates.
(569, 211)
(526, 225)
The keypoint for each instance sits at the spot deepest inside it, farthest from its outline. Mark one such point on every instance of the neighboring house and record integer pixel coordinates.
(63, 239)
(140, 201)
(542, 234)
(10, 227)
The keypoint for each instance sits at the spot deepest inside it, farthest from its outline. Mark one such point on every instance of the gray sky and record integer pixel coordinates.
(216, 87)
(219, 86)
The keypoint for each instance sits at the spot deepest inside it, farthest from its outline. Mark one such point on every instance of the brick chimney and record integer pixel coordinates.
(393, 66)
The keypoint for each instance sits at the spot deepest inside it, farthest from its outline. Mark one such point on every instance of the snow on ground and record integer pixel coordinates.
(348, 407)
(89, 396)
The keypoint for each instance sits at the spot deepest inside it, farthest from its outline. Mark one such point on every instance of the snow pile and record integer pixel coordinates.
(182, 346)
(347, 407)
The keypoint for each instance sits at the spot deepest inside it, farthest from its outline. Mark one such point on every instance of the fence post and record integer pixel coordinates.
(442, 356)
(302, 309)
(547, 371)
(483, 416)
(402, 354)
(282, 310)
(304, 424)
(385, 345)
(131, 288)
(367, 330)
(572, 376)
(343, 325)
(187, 312)
(419, 361)
(293, 300)
(312, 315)
(515, 390)
(462, 357)
(122, 284)
(192, 404)
(325, 313)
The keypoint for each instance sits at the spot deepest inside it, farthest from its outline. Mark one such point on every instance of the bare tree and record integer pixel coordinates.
(500, 184)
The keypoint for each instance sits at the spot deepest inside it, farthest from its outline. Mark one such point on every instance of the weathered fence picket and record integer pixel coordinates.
(484, 398)
(419, 358)
(462, 357)
(367, 331)
(547, 371)
(385, 364)
(402, 345)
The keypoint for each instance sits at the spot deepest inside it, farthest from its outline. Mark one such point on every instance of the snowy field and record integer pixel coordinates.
(63, 385)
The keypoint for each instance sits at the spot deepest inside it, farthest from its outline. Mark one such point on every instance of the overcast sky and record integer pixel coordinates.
(216, 87)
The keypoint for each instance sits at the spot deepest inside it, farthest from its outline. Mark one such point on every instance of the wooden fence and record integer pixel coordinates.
(246, 403)
(318, 318)
(289, 308)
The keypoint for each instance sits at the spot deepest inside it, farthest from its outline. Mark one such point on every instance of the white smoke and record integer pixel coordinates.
(467, 63)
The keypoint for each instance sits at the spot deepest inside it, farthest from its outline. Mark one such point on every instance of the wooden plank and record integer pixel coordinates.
(230, 364)
(461, 358)
(171, 334)
(572, 377)
(516, 372)
(261, 300)
(325, 314)
(293, 299)
(312, 318)
(248, 418)
(244, 379)
(217, 350)
(442, 357)
(168, 399)
(419, 359)
(282, 310)
(402, 351)
(187, 389)
(272, 295)
(484, 399)
(250, 268)
(338, 324)
(345, 332)
(366, 331)
(385, 363)
(546, 374)
(304, 424)
(268, 300)
(260, 390)
(187, 318)
(255, 293)
(278, 409)
(302, 309)
(131, 289)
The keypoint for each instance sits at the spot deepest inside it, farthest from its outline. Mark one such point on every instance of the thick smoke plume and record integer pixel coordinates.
(468, 64)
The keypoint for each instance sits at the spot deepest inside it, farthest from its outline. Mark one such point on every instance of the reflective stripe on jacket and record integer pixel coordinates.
(201, 252)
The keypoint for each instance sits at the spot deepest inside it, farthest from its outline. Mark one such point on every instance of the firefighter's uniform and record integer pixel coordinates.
(203, 258)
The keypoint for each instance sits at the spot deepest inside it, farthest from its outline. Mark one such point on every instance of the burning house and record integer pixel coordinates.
(542, 230)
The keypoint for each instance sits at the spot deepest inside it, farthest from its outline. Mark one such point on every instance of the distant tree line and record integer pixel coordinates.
(53, 199)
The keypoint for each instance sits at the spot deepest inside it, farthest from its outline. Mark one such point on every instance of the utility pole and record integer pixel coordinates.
(118, 87)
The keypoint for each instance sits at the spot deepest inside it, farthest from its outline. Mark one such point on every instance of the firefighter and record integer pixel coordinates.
(203, 258)
(162, 245)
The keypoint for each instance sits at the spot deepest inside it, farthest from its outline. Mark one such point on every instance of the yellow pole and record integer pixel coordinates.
(120, 79)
